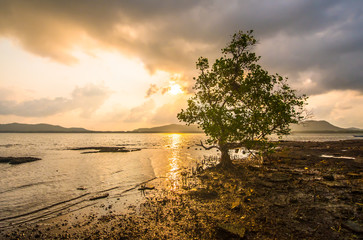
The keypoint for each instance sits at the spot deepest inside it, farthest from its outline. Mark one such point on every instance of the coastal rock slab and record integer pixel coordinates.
(106, 149)
(18, 160)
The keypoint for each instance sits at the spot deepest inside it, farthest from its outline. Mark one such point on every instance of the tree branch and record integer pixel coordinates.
(206, 148)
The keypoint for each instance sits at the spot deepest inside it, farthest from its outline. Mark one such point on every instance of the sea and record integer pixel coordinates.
(64, 180)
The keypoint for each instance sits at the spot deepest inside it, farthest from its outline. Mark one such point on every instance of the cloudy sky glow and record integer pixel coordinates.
(121, 65)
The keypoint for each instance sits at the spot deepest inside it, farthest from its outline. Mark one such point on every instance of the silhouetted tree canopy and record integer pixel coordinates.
(237, 103)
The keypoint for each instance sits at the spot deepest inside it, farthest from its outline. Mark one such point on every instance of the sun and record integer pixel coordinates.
(175, 88)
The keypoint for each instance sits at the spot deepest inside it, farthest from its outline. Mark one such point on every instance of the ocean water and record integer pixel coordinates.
(65, 179)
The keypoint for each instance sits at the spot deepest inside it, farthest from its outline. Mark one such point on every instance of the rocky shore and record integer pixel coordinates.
(306, 190)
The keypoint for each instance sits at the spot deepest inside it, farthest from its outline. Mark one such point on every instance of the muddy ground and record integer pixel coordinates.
(306, 190)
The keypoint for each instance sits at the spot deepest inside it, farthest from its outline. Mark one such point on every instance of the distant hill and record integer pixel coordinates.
(171, 128)
(321, 126)
(309, 126)
(39, 128)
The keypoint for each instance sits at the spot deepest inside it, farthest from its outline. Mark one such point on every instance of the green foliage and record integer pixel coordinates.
(237, 103)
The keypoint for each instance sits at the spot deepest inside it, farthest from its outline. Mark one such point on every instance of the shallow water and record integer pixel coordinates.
(66, 179)
(42, 188)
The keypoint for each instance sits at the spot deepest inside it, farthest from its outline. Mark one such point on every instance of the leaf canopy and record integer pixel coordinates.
(237, 102)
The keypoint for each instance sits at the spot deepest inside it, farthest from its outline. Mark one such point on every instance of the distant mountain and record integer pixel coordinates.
(320, 126)
(354, 129)
(39, 128)
(309, 126)
(171, 128)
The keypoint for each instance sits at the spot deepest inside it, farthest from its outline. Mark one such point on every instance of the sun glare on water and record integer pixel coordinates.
(175, 89)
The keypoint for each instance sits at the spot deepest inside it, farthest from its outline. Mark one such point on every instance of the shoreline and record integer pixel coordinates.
(298, 193)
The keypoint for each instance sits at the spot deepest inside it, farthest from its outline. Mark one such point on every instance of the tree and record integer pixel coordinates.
(238, 104)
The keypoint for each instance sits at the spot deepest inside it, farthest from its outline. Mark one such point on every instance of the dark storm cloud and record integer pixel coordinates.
(88, 99)
(316, 39)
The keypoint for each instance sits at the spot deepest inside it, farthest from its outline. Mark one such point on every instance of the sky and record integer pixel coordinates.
(121, 65)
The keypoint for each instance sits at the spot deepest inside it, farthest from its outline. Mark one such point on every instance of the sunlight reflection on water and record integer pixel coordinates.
(174, 159)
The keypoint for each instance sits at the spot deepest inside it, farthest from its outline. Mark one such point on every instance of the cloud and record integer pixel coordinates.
(150, 114)
(140, 113)
(39, 107)
(153, 89)
(167, 113)
(342, 108)
(88, 99)
(296, 37)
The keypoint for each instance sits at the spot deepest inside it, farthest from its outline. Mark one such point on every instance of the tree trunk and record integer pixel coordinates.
(225, 158)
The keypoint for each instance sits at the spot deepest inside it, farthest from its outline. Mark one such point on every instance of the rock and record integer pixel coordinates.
(357, 191)
(241, 192)
(107, 149)
(143, 188)
(359, 160)
(253, 168)
(279, 177)
(353, 226)
(265, 183)
(334, 184)
(230, 231)
(203, 193)
(339, 176)
(280, 200)
(236, 205)
(18, 160)
(4, 160)
(328, 177)
(354, 175)
(99, 196)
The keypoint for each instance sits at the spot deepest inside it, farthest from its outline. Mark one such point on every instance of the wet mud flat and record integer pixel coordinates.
(306, 190)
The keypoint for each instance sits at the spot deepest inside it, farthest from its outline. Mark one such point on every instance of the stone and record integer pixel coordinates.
(99, 196)
(353, 175)
(279, 177)
(18, 160)
(236, 205)
(334, 184)
(203, 193)
(353, 226)
(143, 188)
(106, 149)
(230, 231)
(265, 183)
(328, 177)
(359, 160)
(280, 200)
